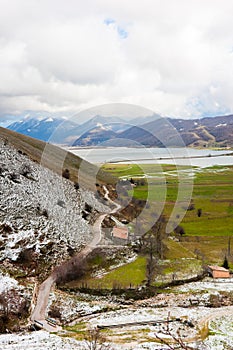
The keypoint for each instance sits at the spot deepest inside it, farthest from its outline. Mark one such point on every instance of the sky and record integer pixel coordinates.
(174, 57)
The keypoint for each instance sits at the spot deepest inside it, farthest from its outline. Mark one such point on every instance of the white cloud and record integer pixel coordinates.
(174, 57)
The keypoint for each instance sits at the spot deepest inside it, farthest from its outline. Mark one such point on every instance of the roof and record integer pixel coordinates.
(218, 268)
(120, 232)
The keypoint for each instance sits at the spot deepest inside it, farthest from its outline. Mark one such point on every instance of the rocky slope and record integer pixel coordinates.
(41, 214)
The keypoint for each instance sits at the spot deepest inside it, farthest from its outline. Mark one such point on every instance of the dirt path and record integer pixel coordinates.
(38, 314)
(204, 322)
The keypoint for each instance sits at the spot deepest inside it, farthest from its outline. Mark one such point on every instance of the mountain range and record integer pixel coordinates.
(151, 131)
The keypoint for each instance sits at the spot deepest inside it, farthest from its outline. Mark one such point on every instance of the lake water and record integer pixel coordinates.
(178, 156)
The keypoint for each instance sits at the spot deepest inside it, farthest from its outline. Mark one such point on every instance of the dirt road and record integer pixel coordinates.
(39, 311)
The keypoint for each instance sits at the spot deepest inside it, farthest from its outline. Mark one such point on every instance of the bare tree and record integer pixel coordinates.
(152, 241)
(95, 341)
(152, 245)
(176, 338)
(151, 265)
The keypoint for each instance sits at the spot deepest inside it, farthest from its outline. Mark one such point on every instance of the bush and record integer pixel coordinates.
(66, 173)
(14, 177)
(54, 312)
(179, 230)
(45, 213)
(191, 206)
(25, 170)
(76, 185)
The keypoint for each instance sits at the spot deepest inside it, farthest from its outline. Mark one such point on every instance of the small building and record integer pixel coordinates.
(218, 272)
(120, 232)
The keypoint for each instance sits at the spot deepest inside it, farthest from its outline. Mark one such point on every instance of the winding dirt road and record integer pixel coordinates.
(38, 314)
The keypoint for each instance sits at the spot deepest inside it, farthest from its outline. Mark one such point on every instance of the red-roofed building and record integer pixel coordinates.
(218, 272)
(120, 232)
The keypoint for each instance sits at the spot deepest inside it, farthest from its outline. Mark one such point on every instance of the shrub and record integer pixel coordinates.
(179, 230)
(45, 213)
(25, 170)
(76, 185)
(66, 173)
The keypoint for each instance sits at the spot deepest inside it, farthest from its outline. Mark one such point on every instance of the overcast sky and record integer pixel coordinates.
(63, 56)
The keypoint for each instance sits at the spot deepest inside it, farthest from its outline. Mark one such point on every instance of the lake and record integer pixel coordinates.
(178, 156)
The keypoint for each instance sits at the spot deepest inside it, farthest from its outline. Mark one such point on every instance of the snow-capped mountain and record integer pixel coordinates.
(45, 127)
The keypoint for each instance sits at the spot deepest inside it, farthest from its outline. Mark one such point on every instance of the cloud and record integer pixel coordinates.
(174, 57)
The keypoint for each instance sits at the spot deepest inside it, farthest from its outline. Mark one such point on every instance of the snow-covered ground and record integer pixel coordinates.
(208, 285)
(71, 307)
(221, 337)
(40, 210)
(40, 340)
(221, 334)
(7, 283)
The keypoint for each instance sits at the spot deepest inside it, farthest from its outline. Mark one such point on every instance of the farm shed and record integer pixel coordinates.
(120, 232)
(218, 272)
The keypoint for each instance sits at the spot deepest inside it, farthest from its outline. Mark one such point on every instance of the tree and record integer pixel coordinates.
(132, 181)
(152, 245)
(175, 337)
(95, 341)
(70, 270)
(151, 265)
(229, 247)
(152, 241)
(225, 263)
(158, 231)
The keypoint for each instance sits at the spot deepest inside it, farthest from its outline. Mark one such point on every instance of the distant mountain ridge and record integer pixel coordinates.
(166, 132)
(43, 128)
(151, 131)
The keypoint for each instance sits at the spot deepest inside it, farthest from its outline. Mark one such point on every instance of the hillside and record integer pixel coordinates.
(57, 159)
(43, 217)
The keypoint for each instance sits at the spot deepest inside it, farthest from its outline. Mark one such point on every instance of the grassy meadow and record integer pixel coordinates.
(212, 192)
(207, 238)
(208, 235)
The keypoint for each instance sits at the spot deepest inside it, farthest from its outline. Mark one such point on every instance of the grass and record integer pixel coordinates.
(134, 274)
(207, 237)
(77, 331)
(176, 250)
(212, 192)
(131, 274)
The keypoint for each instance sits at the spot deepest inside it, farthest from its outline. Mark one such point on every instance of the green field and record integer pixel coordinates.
(129, 275)
(206, 239)
(212, 192)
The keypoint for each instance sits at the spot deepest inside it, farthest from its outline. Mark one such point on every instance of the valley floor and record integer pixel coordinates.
(211, 318)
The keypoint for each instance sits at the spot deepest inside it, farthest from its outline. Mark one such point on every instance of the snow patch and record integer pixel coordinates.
(221, 124)
(7, 283)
